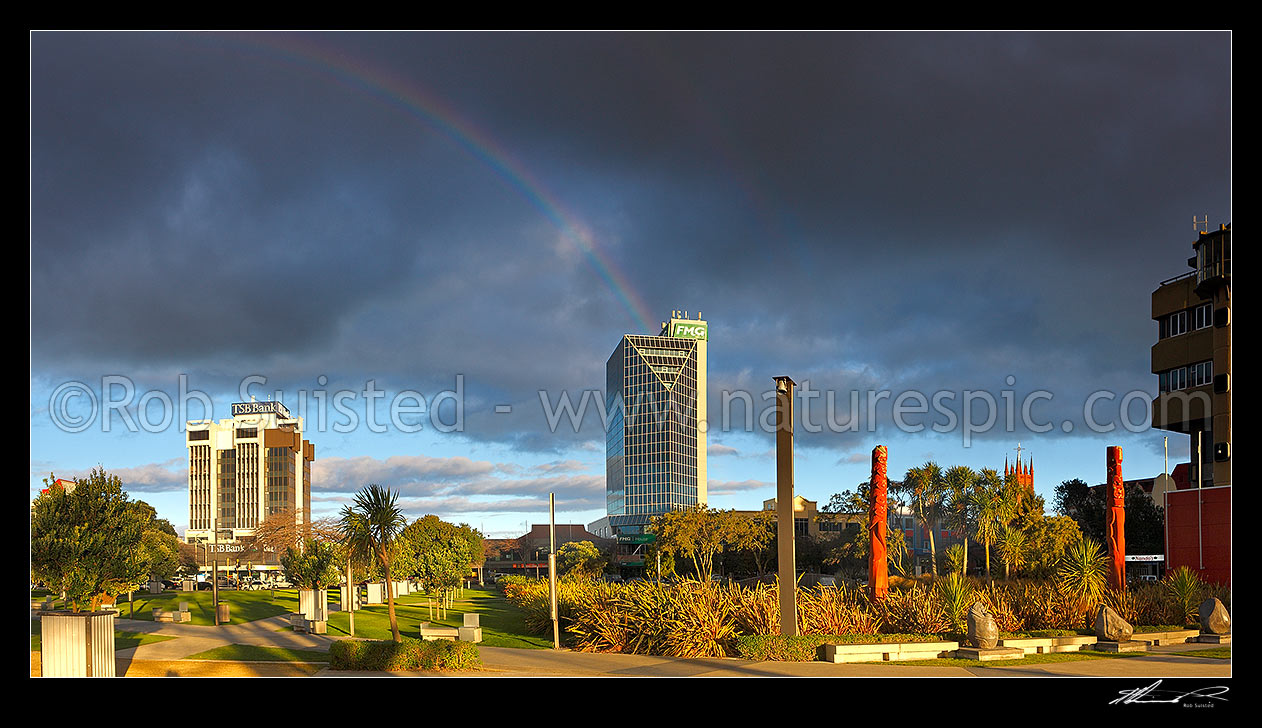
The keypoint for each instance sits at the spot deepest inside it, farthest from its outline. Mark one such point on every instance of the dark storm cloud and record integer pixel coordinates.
(860, 210)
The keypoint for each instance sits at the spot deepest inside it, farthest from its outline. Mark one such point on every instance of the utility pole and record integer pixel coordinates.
(784, 507)
(552, 570)
(214, 578)
(351, 593)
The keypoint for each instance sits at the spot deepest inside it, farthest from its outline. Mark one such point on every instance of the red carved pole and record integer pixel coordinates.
(1115, 526)
(878, 570)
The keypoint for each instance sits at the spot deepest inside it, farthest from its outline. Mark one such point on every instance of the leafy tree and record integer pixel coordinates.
(1145, 520)
(159, 552)
(755, 535)
(580, 557)
(371, 527)
(87, 542)
(477, 549)
(1074, 498)
(1047, 540)
(314, 566)
(849, 551)
(436, 552)
(188, 559)
(697, 532)
(652, 552)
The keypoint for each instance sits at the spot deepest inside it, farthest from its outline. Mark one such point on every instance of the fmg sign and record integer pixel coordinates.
(684, 329)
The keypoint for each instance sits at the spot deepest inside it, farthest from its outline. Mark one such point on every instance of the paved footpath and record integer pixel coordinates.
(169, 657)
(507, 662)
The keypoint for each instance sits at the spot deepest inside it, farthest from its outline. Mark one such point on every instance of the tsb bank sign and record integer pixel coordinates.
(687, 330)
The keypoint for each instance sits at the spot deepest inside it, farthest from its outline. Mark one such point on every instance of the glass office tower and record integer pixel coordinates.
(655, 444)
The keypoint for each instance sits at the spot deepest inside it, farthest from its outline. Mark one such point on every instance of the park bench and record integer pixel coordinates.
(430, 632)
(300, 623)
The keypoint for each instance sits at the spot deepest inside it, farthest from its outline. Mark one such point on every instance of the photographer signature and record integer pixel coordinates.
(1151, 694)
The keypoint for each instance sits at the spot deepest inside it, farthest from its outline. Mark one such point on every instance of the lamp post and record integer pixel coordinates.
(552, 570)
(784, 506)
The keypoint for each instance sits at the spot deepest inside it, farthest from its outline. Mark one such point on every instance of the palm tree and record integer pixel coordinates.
(371, 526)
(958, 483)
(1083, 574)
(992, 509)
(926, 489)
(1012, 548)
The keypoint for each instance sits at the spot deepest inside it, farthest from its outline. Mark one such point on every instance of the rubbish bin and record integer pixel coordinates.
(224, 615)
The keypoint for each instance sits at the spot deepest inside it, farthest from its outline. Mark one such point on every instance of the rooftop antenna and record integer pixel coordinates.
(1198, 224)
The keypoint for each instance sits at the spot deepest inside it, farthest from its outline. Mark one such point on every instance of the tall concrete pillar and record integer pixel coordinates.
(784, 506)
(878, 569)
(1115, 519)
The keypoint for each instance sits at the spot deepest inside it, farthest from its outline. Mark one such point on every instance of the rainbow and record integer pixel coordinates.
(414, 100)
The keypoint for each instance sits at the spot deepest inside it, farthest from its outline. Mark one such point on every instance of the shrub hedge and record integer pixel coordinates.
(694, 619)
(410, 654)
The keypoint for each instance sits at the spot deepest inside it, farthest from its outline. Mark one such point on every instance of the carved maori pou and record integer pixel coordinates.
(878, 571)
(1115, 519)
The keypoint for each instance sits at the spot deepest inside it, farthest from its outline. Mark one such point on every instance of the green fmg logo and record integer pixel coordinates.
(681, 330)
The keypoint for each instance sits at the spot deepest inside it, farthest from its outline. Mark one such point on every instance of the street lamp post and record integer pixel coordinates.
(784, 507)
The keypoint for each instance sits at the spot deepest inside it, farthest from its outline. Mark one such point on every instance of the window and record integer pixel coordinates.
(1202, 373)
(1203, 316)
(199, 434)
(1177, 379)
(1177, 324)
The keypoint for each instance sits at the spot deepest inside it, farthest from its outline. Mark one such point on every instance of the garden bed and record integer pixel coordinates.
(409, 654)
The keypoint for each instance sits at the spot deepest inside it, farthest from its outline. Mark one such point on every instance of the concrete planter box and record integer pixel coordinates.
(350, 594)
(77, 644)
(1029, 645)
(314, 605)
(889, 652)
(1075, 643)
(376, 593)
(1173, 637)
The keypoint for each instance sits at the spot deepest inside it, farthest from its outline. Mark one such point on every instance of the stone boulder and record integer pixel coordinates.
(983, 633)
(1110, 627)
(1214, 617)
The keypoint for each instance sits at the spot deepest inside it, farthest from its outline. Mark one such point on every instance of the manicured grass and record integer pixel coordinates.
(253, 653)
(503, 625)
(1218, 653)
(122, 640)
(1027, 660)
(246, 606)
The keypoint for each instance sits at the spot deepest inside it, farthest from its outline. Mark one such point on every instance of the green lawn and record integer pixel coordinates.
(1218, 653)
(245, 606)
(122, 640)
(503, 625)
(252, 653)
